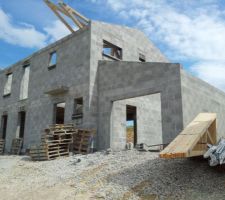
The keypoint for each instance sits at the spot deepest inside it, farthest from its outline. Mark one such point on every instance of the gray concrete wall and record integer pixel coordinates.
(149, 122)
(123, 80)
(72, 70)
(77, 63)
(198, 96)
(131, 41)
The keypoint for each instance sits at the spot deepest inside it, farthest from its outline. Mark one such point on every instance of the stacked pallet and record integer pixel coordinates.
(16, 146)
(55, 142)
(2, 145)
(83, 141)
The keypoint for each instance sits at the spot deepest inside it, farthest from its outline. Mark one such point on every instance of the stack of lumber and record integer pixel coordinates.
(193, 140)
(55, 142)
(83, 141)
(16, 146)
(2, 145)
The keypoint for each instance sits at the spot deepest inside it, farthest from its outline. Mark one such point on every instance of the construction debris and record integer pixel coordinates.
(2, 145)
(152, 148)
(216, 153)
(193, 140)
(16, 146)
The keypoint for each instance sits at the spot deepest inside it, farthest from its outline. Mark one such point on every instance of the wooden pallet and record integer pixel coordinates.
(48, 152)
(192, 141)
(2, 146)
(16, 146)
(82, 141)
(55, 142)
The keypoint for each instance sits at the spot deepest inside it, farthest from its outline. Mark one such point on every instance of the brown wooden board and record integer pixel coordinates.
(192, 141)
(16, 146)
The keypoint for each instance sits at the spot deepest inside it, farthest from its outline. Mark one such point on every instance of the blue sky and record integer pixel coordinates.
(190, 32)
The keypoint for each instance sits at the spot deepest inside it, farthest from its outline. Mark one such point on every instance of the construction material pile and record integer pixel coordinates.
(55, 142)
(59, 140)
(216, 153)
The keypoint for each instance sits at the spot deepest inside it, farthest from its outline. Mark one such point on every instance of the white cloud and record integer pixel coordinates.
(23, 35)
(56, 31)
(212, 72)
(189, 31)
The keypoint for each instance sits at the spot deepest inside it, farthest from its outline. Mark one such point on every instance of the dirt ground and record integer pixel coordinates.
(118, 175)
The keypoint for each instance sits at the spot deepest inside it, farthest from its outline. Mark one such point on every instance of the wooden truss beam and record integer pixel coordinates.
(193, 140)
(61, 10)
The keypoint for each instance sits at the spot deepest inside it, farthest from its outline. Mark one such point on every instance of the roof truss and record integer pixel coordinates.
(61, 10)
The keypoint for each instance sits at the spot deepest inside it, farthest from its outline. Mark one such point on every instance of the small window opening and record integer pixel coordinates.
(52, 60)
(78, 111)
(112, 51)
(142, 57)
(8, 85)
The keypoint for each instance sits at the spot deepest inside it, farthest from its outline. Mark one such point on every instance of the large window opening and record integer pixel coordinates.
(25, 82)
(131, 124)
(4, 126)
(22, 120)
(112, 51)
(8, 85)
(59, 113)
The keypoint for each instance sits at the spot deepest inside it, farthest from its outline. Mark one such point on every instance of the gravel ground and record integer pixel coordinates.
(115, 176)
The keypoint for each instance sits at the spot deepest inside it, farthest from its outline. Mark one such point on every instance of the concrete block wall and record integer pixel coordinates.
(124, 80)
(149, 121)
(131, 41)
(72, 71)
(198, 96)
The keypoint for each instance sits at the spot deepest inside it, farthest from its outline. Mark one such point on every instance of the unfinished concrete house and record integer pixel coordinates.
(106, 77)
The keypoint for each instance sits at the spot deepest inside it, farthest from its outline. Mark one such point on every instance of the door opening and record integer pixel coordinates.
(22, 119)
(60, 113)
(131, 125)
(4, 126)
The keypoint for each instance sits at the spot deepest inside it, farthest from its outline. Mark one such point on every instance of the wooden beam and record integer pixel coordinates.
(193, 140)
(79, 20)
(71, 16)
(55, 9)
(74, 12)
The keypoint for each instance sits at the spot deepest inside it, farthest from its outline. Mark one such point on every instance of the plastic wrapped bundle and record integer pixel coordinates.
(216, 154)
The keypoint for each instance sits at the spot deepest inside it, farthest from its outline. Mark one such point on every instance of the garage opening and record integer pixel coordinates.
(4, 126)
(136, 120)
(59, 113)
(131, 124)
(22, 119)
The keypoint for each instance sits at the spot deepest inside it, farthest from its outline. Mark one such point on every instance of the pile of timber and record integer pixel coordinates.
(16, 146)
(55, 142)
(83, 141)
(193, 140)
(58, 140)
(2, 145)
